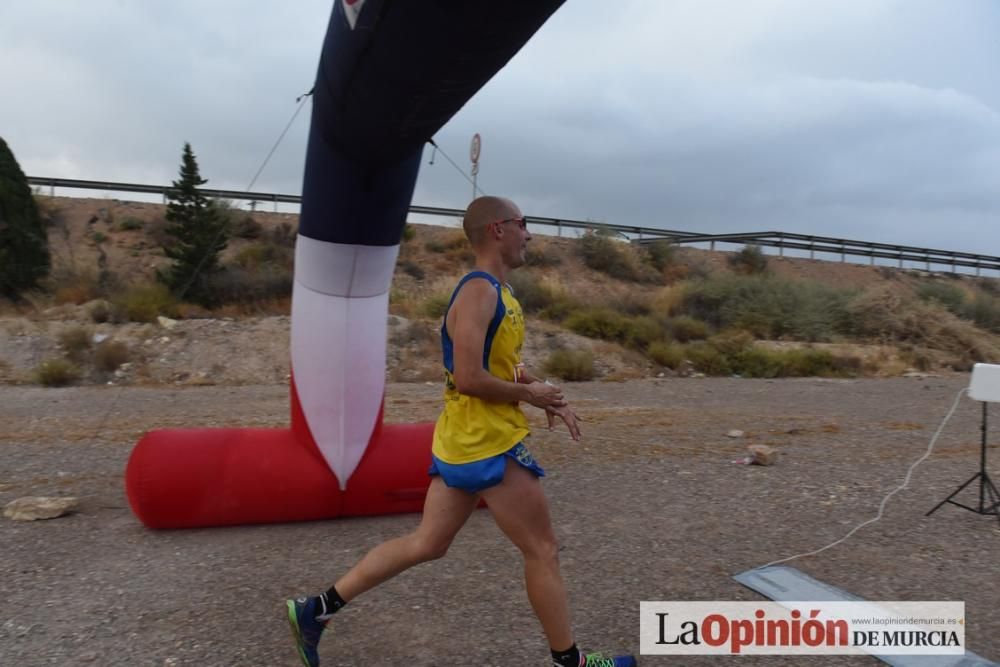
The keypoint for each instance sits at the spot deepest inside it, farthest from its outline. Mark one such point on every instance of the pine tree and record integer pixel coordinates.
(199, 233)
(24, 246)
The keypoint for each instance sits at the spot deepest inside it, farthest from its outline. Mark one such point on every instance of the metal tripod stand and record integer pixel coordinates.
(988, 492)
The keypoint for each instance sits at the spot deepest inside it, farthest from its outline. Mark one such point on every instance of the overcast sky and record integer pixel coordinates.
(867, 119)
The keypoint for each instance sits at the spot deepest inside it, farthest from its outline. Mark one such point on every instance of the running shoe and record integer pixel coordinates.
(306, 630)
(598, 660)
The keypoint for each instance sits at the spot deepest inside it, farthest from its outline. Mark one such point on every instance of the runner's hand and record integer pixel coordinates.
(569, 418)
(545, 395)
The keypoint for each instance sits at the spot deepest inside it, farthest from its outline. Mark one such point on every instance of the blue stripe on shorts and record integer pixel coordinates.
(478, 475)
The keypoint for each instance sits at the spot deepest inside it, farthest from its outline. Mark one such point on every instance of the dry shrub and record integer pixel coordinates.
(451, 240)
(882, 314)
(436, 305)
(570, 365)
(75, 343)
(75, 294)
(247, 228)
(668, 301)
(145, 302)
(541, 255)
(412, 269)
(418, 332)
(100, 311)
(257, 254)
(110, 354)
(400, 303)
(56, 372)
(248, 287)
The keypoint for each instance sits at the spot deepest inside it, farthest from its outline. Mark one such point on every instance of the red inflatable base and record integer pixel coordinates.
(223, 477)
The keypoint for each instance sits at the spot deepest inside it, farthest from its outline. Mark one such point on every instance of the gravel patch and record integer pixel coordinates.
(650, 506)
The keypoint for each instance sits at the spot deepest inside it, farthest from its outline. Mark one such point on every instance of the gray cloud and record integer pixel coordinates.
(872, 119)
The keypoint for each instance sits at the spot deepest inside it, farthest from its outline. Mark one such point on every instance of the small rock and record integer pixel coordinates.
(763, 455)
(166, 322)
(100, 338)
(31, 508)
(735, 434)
(4, 487)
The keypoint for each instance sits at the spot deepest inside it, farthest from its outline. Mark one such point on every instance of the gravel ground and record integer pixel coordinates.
(650, 506)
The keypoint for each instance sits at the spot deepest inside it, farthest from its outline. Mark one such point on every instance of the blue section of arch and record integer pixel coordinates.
(382, 90)
(447, 347)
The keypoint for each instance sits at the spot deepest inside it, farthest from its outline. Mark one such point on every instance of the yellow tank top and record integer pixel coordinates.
(469, 428)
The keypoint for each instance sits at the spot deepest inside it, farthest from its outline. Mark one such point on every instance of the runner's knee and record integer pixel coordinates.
(543, 548)
(430, 547)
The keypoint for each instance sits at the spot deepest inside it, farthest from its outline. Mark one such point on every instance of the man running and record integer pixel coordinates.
(478, 450)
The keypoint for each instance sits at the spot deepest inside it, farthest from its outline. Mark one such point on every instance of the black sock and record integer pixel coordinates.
(329, 604)
(568, 658)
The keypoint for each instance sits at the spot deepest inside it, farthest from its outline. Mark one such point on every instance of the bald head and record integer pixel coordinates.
(482, 212)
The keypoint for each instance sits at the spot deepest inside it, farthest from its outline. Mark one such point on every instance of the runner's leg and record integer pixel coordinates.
(520, 509)
(445, 512)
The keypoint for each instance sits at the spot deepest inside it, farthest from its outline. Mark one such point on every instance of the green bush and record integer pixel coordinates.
(255, 255)
(601, 253)
(642, 331)
(570, 365)
(662, 254)
(666, 354)
(602, 323)
(984, 311)
(750, 260)
(533, 295)
(56, 372)
(409, 231)
(684, 329)
(236, 285)
(144, 303)
(130, 224)
(949, 296)
(708, 359)
(800, 362)
(770, 307)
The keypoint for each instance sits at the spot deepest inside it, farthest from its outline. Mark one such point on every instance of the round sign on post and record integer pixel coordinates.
(475, 148)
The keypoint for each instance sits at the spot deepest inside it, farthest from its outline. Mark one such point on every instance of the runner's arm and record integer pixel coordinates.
(470, 316)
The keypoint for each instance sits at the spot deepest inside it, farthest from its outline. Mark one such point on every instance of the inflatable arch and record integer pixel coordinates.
(391, 74)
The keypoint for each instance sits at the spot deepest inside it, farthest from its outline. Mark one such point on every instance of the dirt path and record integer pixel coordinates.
(649, 506)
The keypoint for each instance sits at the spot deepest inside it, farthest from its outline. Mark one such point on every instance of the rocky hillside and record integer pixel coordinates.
(103, 248)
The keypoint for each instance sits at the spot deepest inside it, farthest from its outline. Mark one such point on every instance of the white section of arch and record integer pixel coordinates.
(340, 301)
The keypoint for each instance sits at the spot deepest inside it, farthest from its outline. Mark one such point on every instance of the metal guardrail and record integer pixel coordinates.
(642, 235)
(843, 247)
(52, 183)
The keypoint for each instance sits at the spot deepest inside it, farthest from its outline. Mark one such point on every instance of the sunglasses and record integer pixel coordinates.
(522, 222)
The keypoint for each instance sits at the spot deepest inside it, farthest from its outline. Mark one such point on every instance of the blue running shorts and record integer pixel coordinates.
(478, 475)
